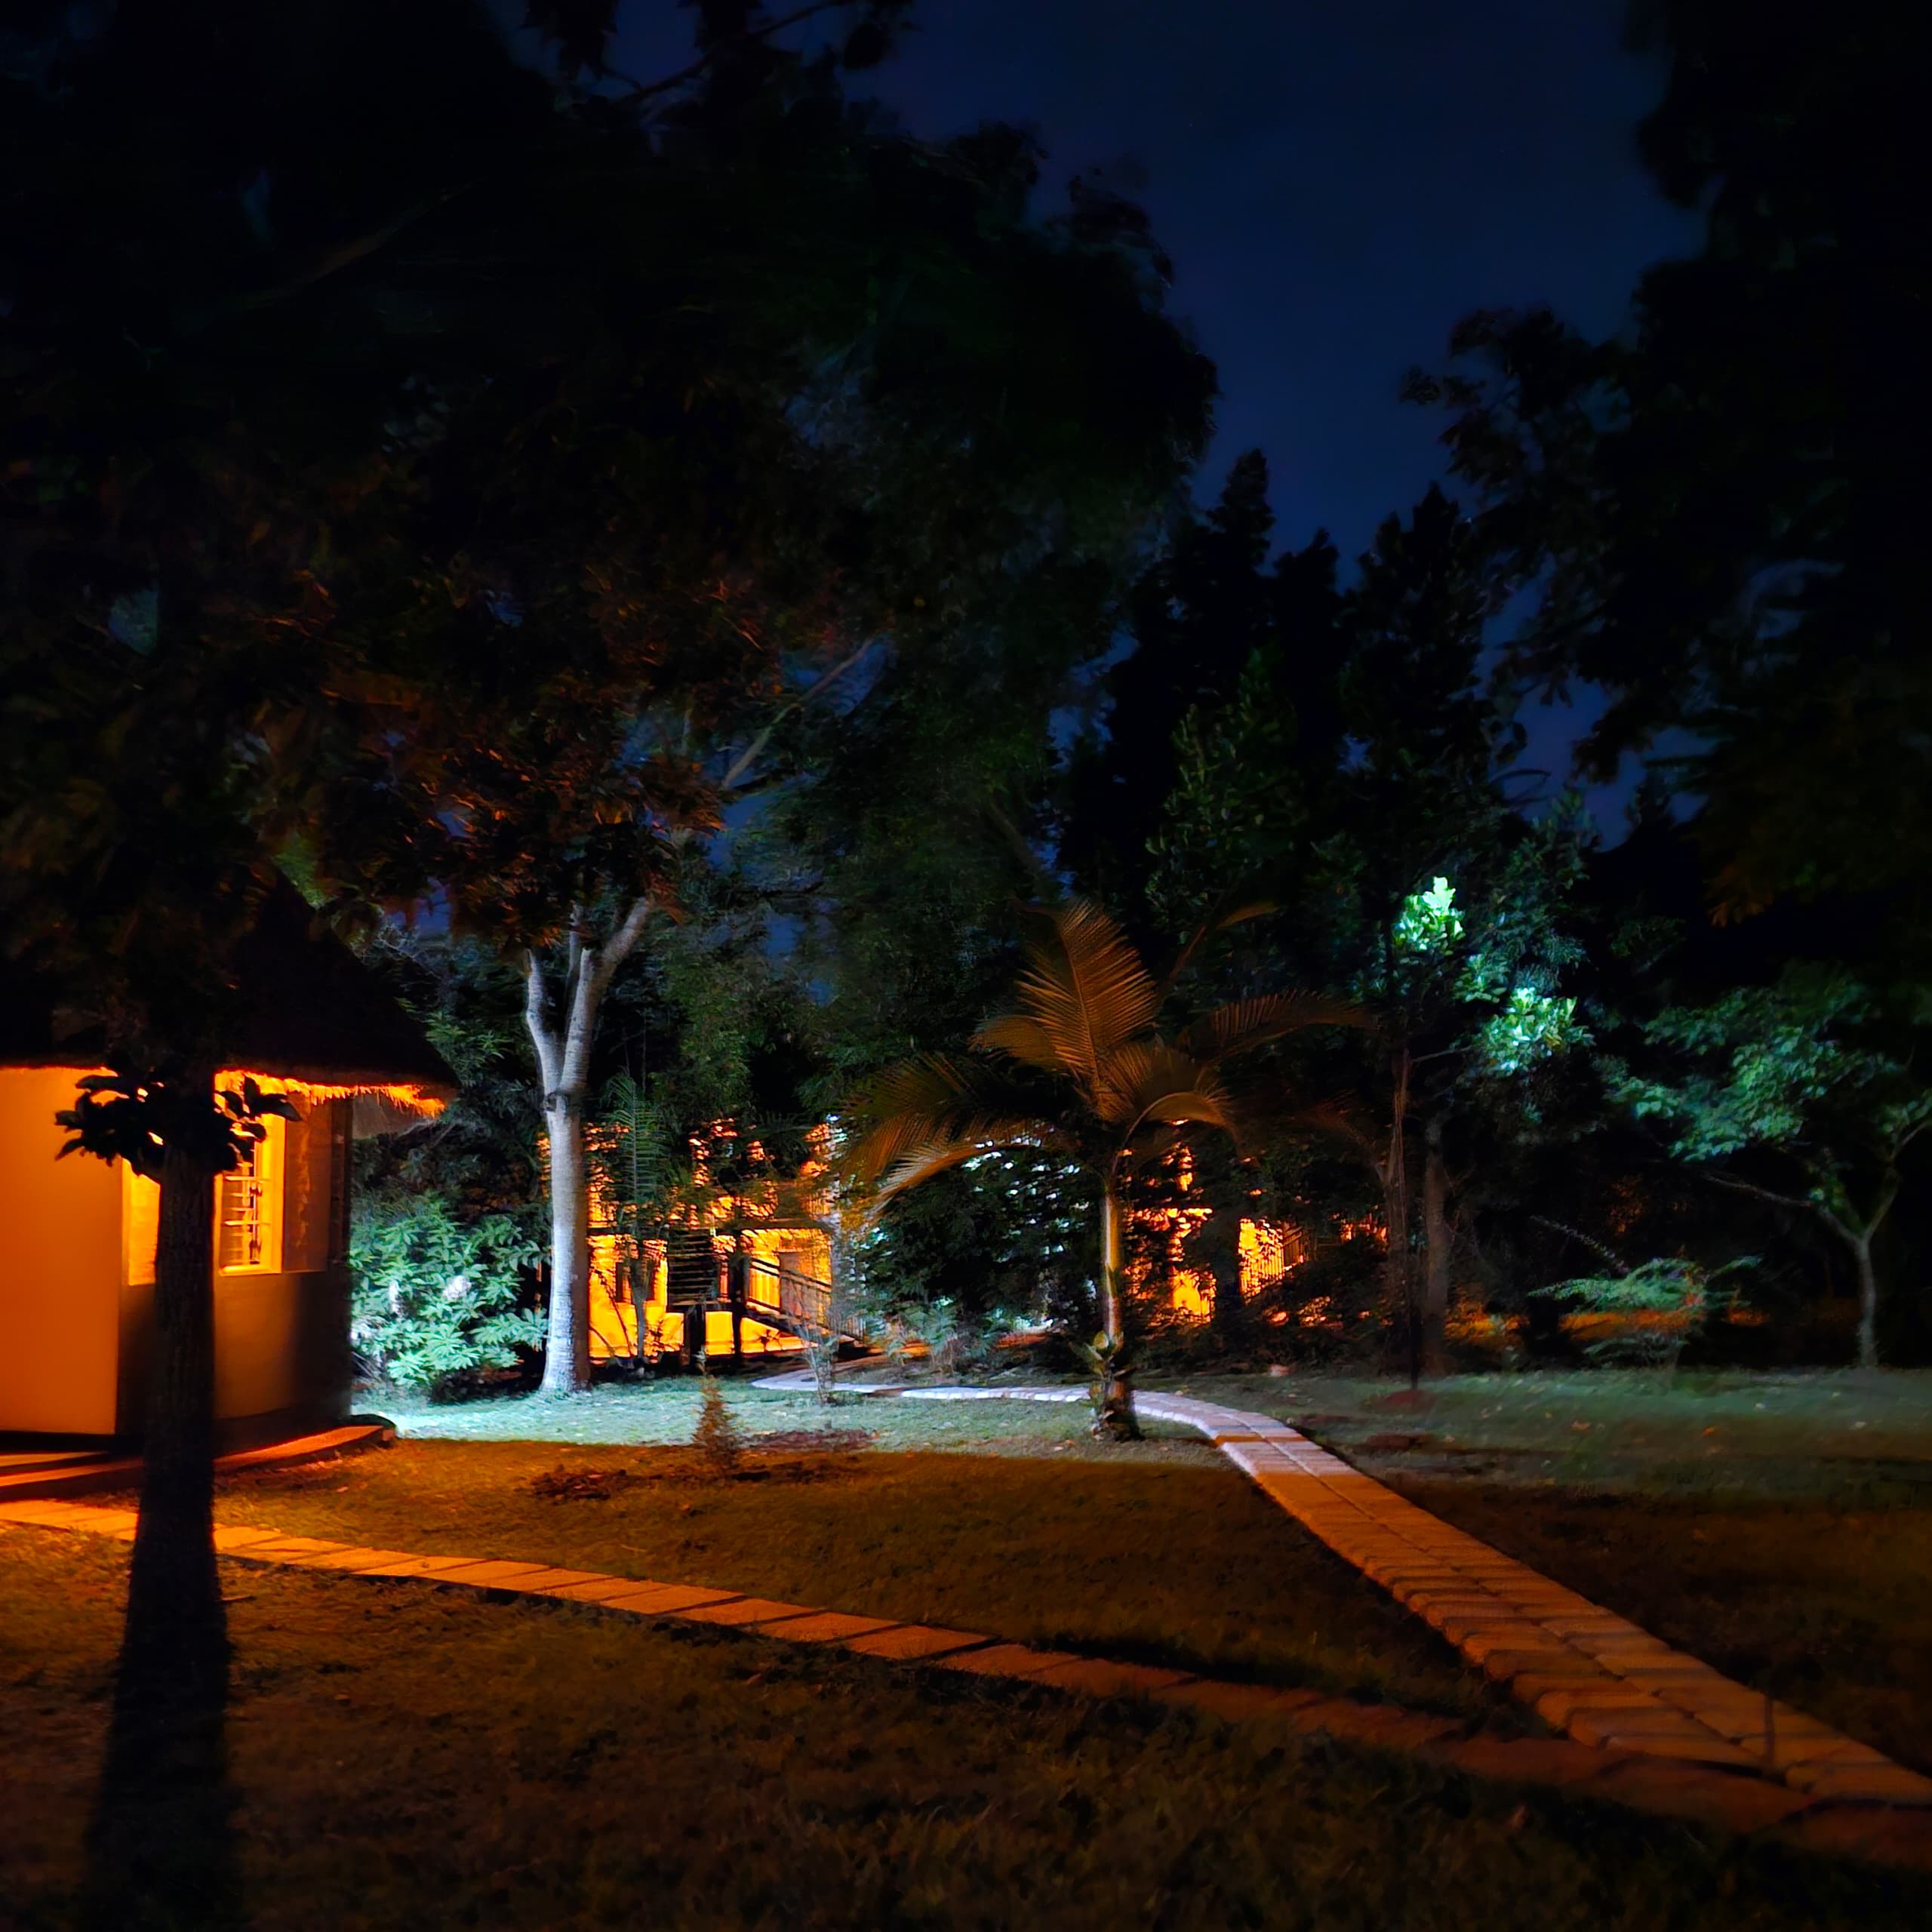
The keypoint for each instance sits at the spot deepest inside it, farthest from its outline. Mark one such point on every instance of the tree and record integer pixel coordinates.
(1707, 505)
(1216, 625)
(184, 417)
(646, 579)
(1794, 1097)
(1082, 1068)
(1404, 787)
(1465, 1005)
(311, 319)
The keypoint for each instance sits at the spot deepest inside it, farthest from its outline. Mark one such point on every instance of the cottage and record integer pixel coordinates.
(753, 1259)
(77, 1237)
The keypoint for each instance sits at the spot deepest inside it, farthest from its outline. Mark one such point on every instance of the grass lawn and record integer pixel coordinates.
(1163, 1559)
(665, 1414)
(400, 1758)
(1802, 1434)
(1779, 1526)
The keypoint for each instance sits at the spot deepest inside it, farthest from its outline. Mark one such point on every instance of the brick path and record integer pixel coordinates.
(1586, 1671)
(1705, 1794)
(1699, 1792)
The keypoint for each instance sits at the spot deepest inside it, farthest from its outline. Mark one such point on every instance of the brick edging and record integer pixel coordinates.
(1603, 1681)
(1701, 1794)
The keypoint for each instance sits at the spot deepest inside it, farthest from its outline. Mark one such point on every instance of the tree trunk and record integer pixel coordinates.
(1113, 1397)
(1112, 1327)
(1220, 1244)
(160, 1844)
(1400, 1264)
(174, 1615)
(567, 1342)
(1868, 1301)
(1438, 1241)
(563, 1047)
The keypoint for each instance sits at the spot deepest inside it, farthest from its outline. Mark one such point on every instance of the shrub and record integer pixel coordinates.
(435, 1297)
(1643, 1316)
(716, 1438)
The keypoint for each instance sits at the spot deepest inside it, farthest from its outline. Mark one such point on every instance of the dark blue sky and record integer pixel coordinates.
(1336, 181)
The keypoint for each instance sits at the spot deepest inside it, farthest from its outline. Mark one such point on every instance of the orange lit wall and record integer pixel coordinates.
(60, 1265)
(77, 1251)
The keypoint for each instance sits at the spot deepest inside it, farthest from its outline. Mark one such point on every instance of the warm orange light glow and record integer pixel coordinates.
(408, 1096)
(777, 1222)
(1267, 1251)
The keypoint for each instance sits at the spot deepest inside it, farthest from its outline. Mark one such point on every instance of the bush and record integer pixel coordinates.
(716, 1438)
(435, 1297)
(1643, 1318)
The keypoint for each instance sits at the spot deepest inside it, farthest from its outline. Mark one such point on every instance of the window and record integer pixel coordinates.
(248, 1201)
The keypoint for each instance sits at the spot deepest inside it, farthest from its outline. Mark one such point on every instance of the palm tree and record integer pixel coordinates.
(1081, 1068)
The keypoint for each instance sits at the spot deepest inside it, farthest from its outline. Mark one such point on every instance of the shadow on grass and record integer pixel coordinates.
(160, 1853)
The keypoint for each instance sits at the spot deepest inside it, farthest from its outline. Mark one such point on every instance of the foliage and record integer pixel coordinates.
(1645, 1316)
(1082, 1070)
(434, 1297)
(480, 1153)
(1501, 976)
(1230, 651)
(1007, 1235)
(821, 1351)
(1791, 1068)
(1705, 508)
(1792, 1093)
(122, 1116)
(1079, 1067)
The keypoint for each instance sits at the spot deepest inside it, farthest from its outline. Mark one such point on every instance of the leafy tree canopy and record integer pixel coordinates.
(1708, 505)
(1798, 1094)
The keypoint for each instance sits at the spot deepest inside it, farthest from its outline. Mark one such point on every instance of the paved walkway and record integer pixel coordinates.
(1704, 1795)
(1648, 1727)
(1587, 1671)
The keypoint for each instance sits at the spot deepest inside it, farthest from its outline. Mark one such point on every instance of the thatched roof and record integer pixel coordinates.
(308, 1011)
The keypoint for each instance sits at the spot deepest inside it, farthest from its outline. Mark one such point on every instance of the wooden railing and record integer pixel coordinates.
(797, 1301)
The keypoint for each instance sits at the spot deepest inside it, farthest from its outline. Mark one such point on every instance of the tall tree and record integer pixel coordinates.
(1216, 617)
(311, 315)
(810, 418)
(1708, 505)
(182, 421)
(1401, 874)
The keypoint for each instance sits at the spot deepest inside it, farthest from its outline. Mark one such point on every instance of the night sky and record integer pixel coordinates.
(1336, 181)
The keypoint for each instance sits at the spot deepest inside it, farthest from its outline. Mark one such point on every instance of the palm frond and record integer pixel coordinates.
(1086, 989)
(1217, 920)
(1151, 1081)
(937, 1098)
(1244, 1024)
(1021, 1037)
(935, 1157)
(1340, 1119)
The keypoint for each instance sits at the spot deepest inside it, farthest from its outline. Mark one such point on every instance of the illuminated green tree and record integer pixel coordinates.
(1794, 1094)
(1470, 1012)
